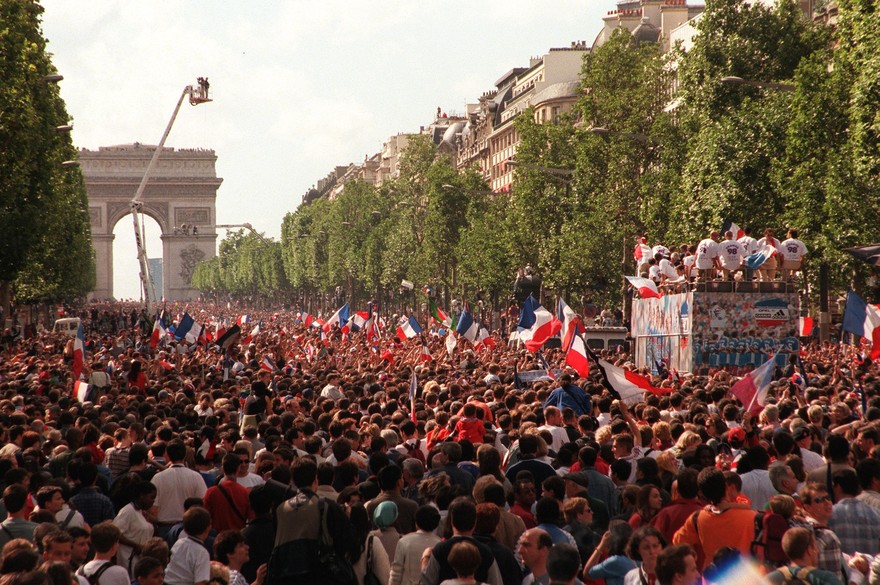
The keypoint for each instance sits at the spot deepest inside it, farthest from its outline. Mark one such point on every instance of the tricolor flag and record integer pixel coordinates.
(439, 314)
(863, 320)
(756, 260)
(268, 365)
(158, 334)
(229, 337)
(243, 320)
(485, 339)
(642, 252)
(647, 288)
(729, 226)
(408, 328)
(467, 327)
(80, 390)
(372, 327)
(188, 329)
(576, 351)
(567, 317)
(805, 326)
(752, 389)
(536, 324)
(79, 352)
(253, 333)
(358, 321)
(425, 355)
(340, 317)
(626, 385)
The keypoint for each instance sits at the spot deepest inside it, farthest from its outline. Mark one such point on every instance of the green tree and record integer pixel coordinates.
(38, 198)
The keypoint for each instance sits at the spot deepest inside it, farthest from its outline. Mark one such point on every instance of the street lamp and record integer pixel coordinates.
(70, 163)
(64, 128)
(53, 78)
(564, 174)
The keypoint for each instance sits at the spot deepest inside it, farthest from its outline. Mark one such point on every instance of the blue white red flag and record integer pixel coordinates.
(79, 352)
(647, 288)
(863, 319)
(467, 326)
(805, 326)
(408, 328)
(752, 389)
(729, 226)
(756, 260)
(358, 321)
(340, 318)
(536, 324)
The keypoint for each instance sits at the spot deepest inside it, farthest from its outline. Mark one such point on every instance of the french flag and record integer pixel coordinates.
(647, 288)
(268, 365)
(536, 324)
(626, 385)
(408, 328)
(243, 319)
(358, 321)
(340, 317)
(484, 339)
(576, 352)
(467, 327)
(80, 390)
(79, 352)
(188, 329)
(729, 226)
(425, 355)
(752, 389)
(158, 334)
(863, 320)
(805, 326)
(567, 317)
(756, 260)
(254, 332)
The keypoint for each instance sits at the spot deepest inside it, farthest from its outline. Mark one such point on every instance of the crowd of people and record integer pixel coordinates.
(295, 455)
(732, 255)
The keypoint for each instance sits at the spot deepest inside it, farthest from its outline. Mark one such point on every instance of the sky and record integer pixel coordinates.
(299, 87)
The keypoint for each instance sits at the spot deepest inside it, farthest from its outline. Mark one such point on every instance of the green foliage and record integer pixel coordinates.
(45, 252)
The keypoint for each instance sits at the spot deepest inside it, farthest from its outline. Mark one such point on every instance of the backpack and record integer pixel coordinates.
(413, 450)
(767, 546)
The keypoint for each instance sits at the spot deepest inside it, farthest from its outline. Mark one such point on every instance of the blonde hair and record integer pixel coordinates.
(572, 507)
(666, 461)
(687, 440)
(783, 505)
(603, 435)
(662, 431)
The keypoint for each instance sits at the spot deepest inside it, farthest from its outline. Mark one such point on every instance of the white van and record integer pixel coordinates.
(68, 325)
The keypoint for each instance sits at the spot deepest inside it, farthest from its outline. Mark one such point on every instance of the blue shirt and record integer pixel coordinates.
(613, 569)
(575, 399)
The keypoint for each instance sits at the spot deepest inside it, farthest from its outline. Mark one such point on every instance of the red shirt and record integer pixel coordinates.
(471, 429)
(223, 517)
(526, 515)
(669, 519)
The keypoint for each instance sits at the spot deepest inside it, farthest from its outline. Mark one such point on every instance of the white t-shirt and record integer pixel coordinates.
(114, 575)
(731, 254)
(667, 269)
(654, 273)
(749, 243)
(707, 251)
(764, 242)
(646, 253)
(793, 250)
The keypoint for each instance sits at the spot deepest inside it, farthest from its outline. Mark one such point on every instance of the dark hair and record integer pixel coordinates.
(104, 536)
(638, 536)
(196, 521)
(712, 484)
(488, 517)
(687, 483)
(621, 532)
(462, 514)
(146, 565)
(868, 470)
(225, 544)
(427, 518)
(563, 562)
(464, 557)
(176, 451)
(670, 562)
(14, 497)
(304, 471)
(547, 511)
(847, 480)
(389, 476)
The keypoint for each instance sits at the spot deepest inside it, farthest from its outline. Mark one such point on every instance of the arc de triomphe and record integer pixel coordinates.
(182, 190)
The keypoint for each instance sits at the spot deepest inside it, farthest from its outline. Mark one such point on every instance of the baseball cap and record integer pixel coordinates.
(736, 435)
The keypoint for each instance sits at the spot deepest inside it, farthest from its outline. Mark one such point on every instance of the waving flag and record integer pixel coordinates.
(576, 351)
(229, 337)
(625, 385)
(863, 320)
(439, 314)
(485, 339)
(79, 352)
(253, 334)
(158, 334)
(80, 390)
(268, 365)
(413, 390)
(188, 329)
(408, 328)
(451, 342)
(243, 320)
(467, 327)
(536, 324)
(729, 226)
(756, 260)
(567, 317)
(647, 288)
(358, 321)
(752, 389)
(340, 317)
(425, 355)
(805, 326)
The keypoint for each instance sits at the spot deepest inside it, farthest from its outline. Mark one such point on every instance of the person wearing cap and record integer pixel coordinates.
(384, 517)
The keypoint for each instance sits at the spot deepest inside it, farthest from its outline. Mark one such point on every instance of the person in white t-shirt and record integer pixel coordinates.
(659, 249)
(730, 255)
(793, 252)
(666, 269)
(642, 252)
(707, 257)
(767, 272)
(750, 245)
